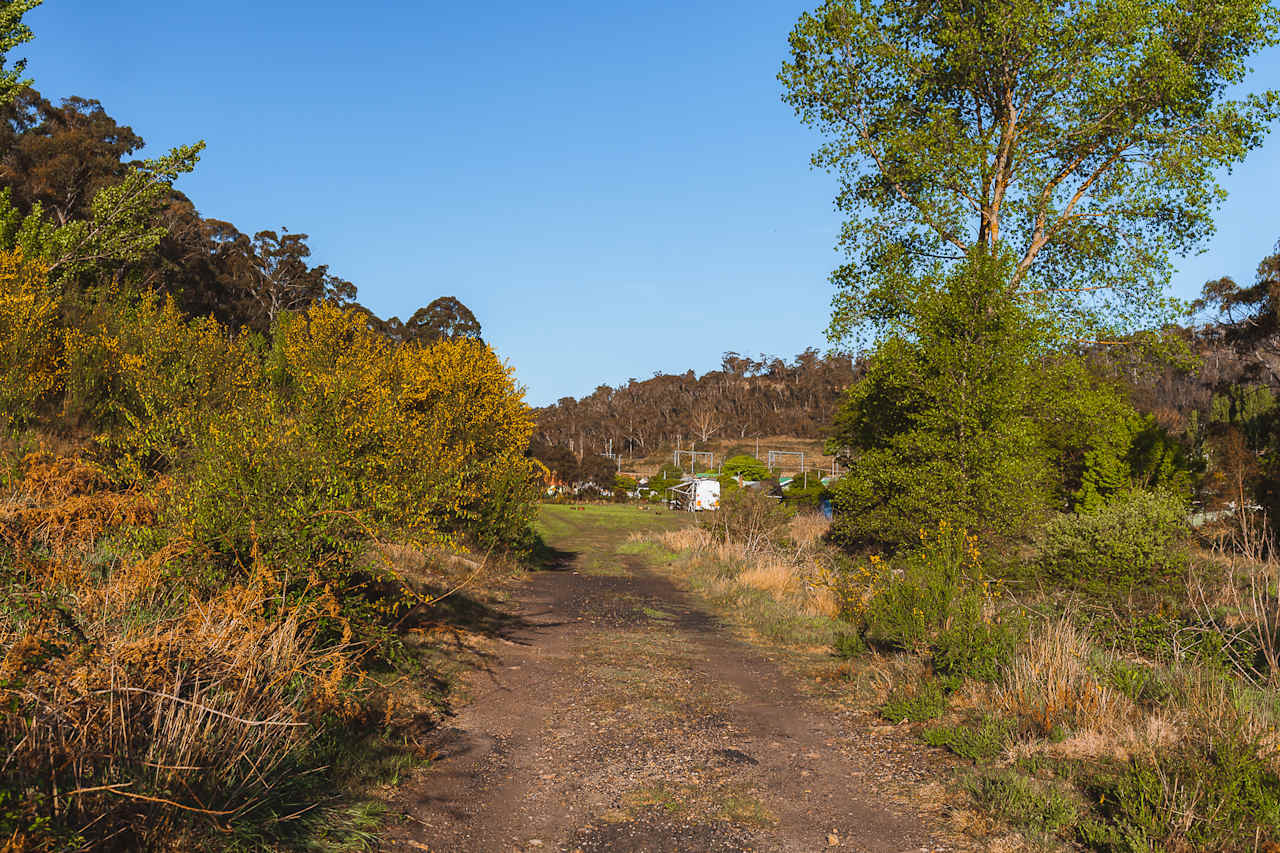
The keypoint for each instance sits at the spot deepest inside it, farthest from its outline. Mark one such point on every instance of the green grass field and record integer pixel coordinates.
(598, 531)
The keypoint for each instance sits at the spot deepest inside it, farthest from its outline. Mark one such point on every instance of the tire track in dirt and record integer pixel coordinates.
(617, 715)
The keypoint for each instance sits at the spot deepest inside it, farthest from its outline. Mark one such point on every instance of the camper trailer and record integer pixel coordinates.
(696, 495)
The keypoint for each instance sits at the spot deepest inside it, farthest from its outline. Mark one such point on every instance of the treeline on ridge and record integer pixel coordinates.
(745, 397)
(56, 158)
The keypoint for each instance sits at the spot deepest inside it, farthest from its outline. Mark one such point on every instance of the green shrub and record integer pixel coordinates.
(979, 741)
(961, 411)
(1213, 795)
(1140, 683)
(1135, 538)
(939, 602)
(937, 580)
(926, 701)
(1022, 802)
(747, 467)
(1153, 634)
(849, 644)
(1128, 450)
(971, 647)
(811, 497)
(254, 484)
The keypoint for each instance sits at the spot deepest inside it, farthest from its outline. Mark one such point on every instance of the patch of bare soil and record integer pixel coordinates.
(616, 715)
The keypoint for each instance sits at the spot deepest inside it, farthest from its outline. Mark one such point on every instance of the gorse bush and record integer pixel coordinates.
(939, 581)
(296, 447)
(975, 645)
(1142, 684)
(425, 440)
(935, 599)
(1133, 539)
(192, 607)
(31, 352)
(152, 382)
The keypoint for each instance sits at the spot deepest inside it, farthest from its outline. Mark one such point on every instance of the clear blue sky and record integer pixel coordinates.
(614, 190)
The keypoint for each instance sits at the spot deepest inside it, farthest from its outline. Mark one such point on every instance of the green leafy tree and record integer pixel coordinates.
(1106, 472)
(1251, 408)
(13, 32)
(1128, 453)
(1081, 140)
(101, 215)
(745, 466)
(1016, 176)
(122, 227)
(963, 416)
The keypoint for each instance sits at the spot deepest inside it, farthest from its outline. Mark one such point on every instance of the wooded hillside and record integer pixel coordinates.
(746, 397)
(56, 158)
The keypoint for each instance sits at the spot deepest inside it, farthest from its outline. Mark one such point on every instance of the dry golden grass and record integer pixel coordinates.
(773, 576)
(135, 706)
(886, 673)
(786, 572)
(682, 539)
(1050, 686)
(1053, 686)
(64, 505)
(806, 529)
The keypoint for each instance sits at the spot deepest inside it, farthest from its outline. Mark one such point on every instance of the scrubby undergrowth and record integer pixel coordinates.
(1094, 699)
(206, 640)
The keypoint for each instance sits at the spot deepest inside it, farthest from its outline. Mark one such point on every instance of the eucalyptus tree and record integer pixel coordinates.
(60, 156)
(1249, 317)
(1017, 176)
(1080, 141)
(13, 32)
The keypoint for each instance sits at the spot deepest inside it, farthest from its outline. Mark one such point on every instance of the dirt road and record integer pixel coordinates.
(618, 715)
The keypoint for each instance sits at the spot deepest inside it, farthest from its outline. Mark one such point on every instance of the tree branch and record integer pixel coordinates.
(884, 172)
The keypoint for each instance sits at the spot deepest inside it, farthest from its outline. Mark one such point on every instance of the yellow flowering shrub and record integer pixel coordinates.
(155, 380)
(294, 454)
(432, 434)
(301, 449)
(934, 599)
(190, 605)
(31, 356)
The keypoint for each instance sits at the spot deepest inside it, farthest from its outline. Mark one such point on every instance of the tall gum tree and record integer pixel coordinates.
(13, 33)
(1077, 140)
